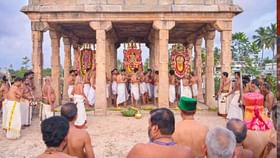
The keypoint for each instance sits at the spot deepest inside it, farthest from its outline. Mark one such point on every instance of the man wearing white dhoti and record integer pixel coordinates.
(71, 82)
(172, 90)
(234, 111)
(135, 96)
(186, 90)
(223, 101)
(48, 96)
(26, 109)
(114, 86)
(12, 123)
(143, 88)
(80, 99)
(91, 92)
(194, 81)
(122, 92)
(156, 81)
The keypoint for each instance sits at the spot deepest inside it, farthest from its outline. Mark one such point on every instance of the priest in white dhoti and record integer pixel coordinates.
(172, 88)
(135, 90)
(26, 108)
(49, 97)
(223, 101)
(234, 110)
(80, 99)
(121, 89)
(186, 90)
(12, 112)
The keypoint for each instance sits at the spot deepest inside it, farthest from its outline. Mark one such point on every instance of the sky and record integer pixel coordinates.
(15, 31)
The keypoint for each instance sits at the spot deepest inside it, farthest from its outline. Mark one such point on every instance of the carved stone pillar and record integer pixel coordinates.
(55, 64)
(37, 62)
(198, 68)
(162, 29)
(76, 54)
(101, 101)
(209, 80)
(37, 55)
(67, 66)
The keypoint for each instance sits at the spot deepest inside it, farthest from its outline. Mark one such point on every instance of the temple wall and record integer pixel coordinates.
(130, 2)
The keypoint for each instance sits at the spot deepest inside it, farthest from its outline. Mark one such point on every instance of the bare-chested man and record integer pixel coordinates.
(71, 83)
(30, 78)
(172, 89)
(114, 86)
(54, 131)
(135, 92)
(26, 109)
(161, 145)
(186, 90)
(122, 92)
(194, 80)
(78, 140)
(155, 83)
(48, 96)
(223, 102)
(143, 88)
(11, 110)
(269, 100)
(4, 88)
(239, 129)
(80, 99)
(91, 92)
(234, 111)
(254, 87)
(190, 132)
(149, 81)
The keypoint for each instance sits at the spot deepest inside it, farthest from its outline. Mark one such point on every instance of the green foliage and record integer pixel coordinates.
(146, 65)
(217, 56)
(217, 84)
(119, 65)
(249, 67)
(272, 80)
(47, 72)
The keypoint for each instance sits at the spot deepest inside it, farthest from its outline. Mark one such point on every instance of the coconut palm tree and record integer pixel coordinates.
(260, 38)
(271, 39)
(240, 43)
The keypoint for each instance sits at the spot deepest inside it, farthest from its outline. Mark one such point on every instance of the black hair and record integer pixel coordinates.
(54, 130)
(69, 111)
(237, 73)
(240, 133)
(18, 79)
(122, 70)
(164, 119)
(256, 82)
(192, 73)
(28, 73)
(267, 86)
(156, 72)
(71, 71)
(149, 70)
(4, 78)
(225, 74)
(171, 72)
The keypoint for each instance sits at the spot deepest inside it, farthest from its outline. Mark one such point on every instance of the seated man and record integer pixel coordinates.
(54, 131)
(220, 143)
(160, 130)
(78, 140)
(239, 129)
(190, 132)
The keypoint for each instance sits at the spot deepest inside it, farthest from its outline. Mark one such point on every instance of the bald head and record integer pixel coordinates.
(69, 111)
(238, 128)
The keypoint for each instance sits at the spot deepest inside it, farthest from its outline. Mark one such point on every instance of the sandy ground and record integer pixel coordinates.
(112, 135)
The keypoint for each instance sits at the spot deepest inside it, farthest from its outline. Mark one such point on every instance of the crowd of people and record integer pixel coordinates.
(229, 95)
(65, 136)
(186, 139)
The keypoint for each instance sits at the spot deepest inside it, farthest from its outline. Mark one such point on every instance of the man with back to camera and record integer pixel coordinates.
(78, 140)
(190, 132)
(239, 129)
(161, 145)
(220, 143)
(54, 132)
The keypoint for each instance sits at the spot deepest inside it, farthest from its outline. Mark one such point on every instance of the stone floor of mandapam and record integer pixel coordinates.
(112, 135)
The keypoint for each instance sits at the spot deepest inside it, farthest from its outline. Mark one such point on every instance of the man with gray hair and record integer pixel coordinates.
(220, 143)
(239, 129)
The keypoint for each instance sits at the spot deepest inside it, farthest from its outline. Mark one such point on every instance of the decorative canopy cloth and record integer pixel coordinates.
(86, 59)
(180, 60)
(132, 57)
